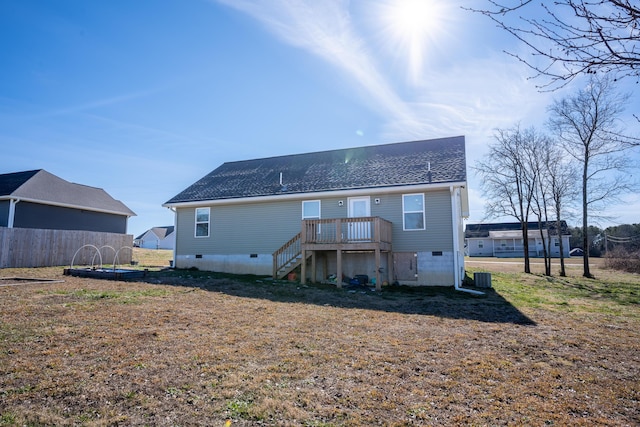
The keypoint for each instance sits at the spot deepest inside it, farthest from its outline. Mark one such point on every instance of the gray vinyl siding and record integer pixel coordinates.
(474, 249)
(34, 215)
(259, 228)
(262, 228)
(4, 213)
(437, 235)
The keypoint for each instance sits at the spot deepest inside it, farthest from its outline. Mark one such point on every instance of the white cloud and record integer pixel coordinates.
(324, 28)
(469, 99)
(470, 95)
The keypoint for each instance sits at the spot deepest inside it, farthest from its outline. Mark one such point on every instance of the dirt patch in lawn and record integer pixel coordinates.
(15, 281)
(196, 348)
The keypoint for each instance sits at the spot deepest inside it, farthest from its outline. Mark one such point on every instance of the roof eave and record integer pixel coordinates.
(315, 194)
(66, 205)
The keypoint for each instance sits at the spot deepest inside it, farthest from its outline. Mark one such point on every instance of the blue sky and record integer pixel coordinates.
(142, 98)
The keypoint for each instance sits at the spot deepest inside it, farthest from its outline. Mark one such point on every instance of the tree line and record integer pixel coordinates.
(611, 240)
(575, 167)
(582, 162)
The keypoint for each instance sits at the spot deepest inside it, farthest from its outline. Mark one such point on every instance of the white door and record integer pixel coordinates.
(359, 207)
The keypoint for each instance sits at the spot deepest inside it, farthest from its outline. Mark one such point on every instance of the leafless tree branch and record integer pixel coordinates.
(568, 38)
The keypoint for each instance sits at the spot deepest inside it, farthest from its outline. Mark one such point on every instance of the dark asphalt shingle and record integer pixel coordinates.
(43, 187)
(388, 165)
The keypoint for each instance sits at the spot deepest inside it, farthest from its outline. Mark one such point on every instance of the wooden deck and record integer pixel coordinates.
(364, 233)
(370, 234)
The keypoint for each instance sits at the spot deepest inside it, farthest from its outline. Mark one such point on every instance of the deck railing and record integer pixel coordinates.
(346, 230)
(363, 233)
(287, 254)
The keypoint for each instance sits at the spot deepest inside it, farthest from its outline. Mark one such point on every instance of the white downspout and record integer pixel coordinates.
(12, 212)
(454, 223)
(455, 218)
(175, 231)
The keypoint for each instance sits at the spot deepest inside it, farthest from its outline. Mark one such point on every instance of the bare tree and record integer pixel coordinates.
(587, 125)
(508, 181)
(542, 196)
(569, 38)
(561, 178)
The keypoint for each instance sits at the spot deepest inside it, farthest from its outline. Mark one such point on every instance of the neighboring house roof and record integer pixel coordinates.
(40, 186)
(160, 232)
(407, 163)
(10, 182)
(511, 229)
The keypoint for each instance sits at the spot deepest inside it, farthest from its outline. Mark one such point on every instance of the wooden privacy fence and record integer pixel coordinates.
(34, 247)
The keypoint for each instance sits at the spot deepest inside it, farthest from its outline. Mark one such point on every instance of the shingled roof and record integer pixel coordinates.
(484, 230)
(40, 186)
(378, 166)
(160, 232)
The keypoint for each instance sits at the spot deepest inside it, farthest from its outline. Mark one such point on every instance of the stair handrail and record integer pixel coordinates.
(287, 253)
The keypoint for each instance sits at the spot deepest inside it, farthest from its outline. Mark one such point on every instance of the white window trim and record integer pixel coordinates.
(319, 209)
(404, 212)
(196, 223)
(312, 217)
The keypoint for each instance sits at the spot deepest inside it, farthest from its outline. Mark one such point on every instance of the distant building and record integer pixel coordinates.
(504, 240)
(157, 238)
(39, 199)
(45, 221)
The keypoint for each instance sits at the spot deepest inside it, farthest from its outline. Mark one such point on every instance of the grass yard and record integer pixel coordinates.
(196, 348)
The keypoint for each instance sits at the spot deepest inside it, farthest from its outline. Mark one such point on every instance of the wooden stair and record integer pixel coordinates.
(288, 257)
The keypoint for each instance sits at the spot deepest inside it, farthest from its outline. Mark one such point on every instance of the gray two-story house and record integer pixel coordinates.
(39, 199)
(390, 212)
(46, 220)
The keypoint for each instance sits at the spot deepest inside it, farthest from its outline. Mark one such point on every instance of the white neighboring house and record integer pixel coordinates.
(157, 238)
(504, 240)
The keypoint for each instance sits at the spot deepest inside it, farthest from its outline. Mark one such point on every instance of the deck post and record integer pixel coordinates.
(378, 282)
(274, 268)
(313, 267)
(339, 268)
(325, 266)
(303, 268)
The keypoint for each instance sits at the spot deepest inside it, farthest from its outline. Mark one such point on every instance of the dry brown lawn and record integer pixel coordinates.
(195, 348)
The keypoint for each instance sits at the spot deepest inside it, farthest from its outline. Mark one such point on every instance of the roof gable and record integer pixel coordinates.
(408, 163)
(159, 232)
(163, 232)
(10, 182)
(46, 188)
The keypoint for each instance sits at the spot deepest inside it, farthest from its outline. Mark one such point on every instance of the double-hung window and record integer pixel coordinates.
(203, 219)
(413, 212)
(311, 209)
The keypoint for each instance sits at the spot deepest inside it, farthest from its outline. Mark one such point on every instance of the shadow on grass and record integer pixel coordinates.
(443, 302)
